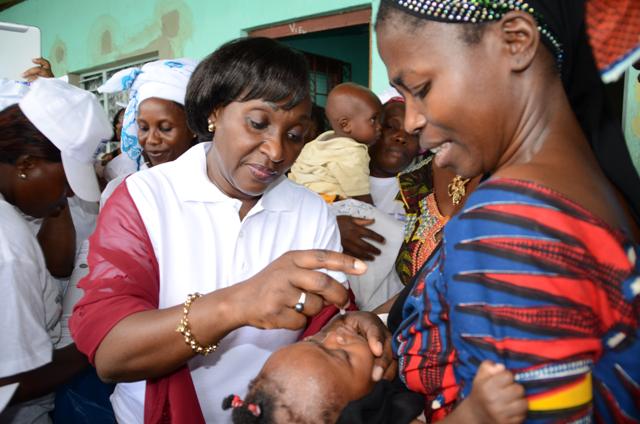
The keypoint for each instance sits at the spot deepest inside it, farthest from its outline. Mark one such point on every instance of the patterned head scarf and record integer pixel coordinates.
(163, 79)
(562, 27)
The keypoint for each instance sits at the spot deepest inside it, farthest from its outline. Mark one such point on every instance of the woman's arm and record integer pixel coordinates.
(146, 344)
(135, 340)
(66, 363)
(28, 310)
(57, 238)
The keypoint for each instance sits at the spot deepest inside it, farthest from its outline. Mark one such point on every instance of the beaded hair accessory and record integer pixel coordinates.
(475, 12)
(235, 401)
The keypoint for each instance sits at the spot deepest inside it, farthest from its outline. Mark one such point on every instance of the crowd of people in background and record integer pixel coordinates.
(461, 247)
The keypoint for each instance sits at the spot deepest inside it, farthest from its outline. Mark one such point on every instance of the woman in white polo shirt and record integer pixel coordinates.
(46, 146)
(221, 220)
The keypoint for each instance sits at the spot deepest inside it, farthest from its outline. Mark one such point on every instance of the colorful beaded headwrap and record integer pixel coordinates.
(478, 11)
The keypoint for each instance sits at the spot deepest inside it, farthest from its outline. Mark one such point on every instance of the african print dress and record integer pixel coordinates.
(424, 222)
(527, 278)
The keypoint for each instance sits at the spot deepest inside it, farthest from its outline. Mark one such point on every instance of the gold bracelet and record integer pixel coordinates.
(185, 329)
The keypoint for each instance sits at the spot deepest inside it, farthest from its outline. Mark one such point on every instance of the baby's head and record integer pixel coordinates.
(396, 149)
(309, 381)
(354, 111)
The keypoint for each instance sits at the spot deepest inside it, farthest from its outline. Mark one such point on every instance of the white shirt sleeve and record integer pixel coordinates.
(24, 341)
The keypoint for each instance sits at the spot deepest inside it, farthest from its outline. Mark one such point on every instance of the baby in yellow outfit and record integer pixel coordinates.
(336, 164)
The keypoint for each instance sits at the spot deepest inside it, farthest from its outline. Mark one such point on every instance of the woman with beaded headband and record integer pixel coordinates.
(539, 271)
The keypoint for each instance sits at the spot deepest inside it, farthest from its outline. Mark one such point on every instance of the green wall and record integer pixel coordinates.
(379, 79)
(345, 45)
(80, 35)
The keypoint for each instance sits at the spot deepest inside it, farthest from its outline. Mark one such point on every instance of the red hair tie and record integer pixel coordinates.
(235, 401)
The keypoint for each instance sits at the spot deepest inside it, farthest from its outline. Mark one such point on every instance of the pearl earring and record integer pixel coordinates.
(211, 127)
(22, 175)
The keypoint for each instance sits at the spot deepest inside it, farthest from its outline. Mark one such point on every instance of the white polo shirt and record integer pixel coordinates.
(30, 307)
(201, 245)
(383, 193)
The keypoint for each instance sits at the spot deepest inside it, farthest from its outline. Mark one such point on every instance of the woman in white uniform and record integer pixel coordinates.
(46, 154)
(154, 128)
(209, 263)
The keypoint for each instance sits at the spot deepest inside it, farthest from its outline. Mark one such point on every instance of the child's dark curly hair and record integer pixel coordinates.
(264, 398)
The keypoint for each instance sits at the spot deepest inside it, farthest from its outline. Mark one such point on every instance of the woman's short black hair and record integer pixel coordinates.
(18, 137)
(245, 69)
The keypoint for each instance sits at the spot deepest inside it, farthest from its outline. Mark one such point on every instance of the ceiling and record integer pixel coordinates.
(5, 4)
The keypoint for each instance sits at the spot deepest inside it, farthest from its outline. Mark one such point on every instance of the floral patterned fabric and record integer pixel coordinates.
(424, 222)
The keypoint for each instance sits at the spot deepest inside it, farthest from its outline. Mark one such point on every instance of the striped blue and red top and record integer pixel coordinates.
(527, 278)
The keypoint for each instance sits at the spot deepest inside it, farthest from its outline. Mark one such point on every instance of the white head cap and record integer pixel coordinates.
(73, 120)
(11, 92)
(390, 94)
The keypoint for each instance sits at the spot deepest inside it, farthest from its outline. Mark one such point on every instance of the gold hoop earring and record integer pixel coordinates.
(211, 127)
(457, 189)
(22, 175)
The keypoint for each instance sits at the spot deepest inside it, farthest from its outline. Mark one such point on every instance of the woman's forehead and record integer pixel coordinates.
(436, 46)
(303, 108)
(393, 109)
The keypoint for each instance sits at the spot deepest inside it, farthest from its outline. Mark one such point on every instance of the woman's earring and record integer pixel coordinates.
(22, 176)
(211, 127)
